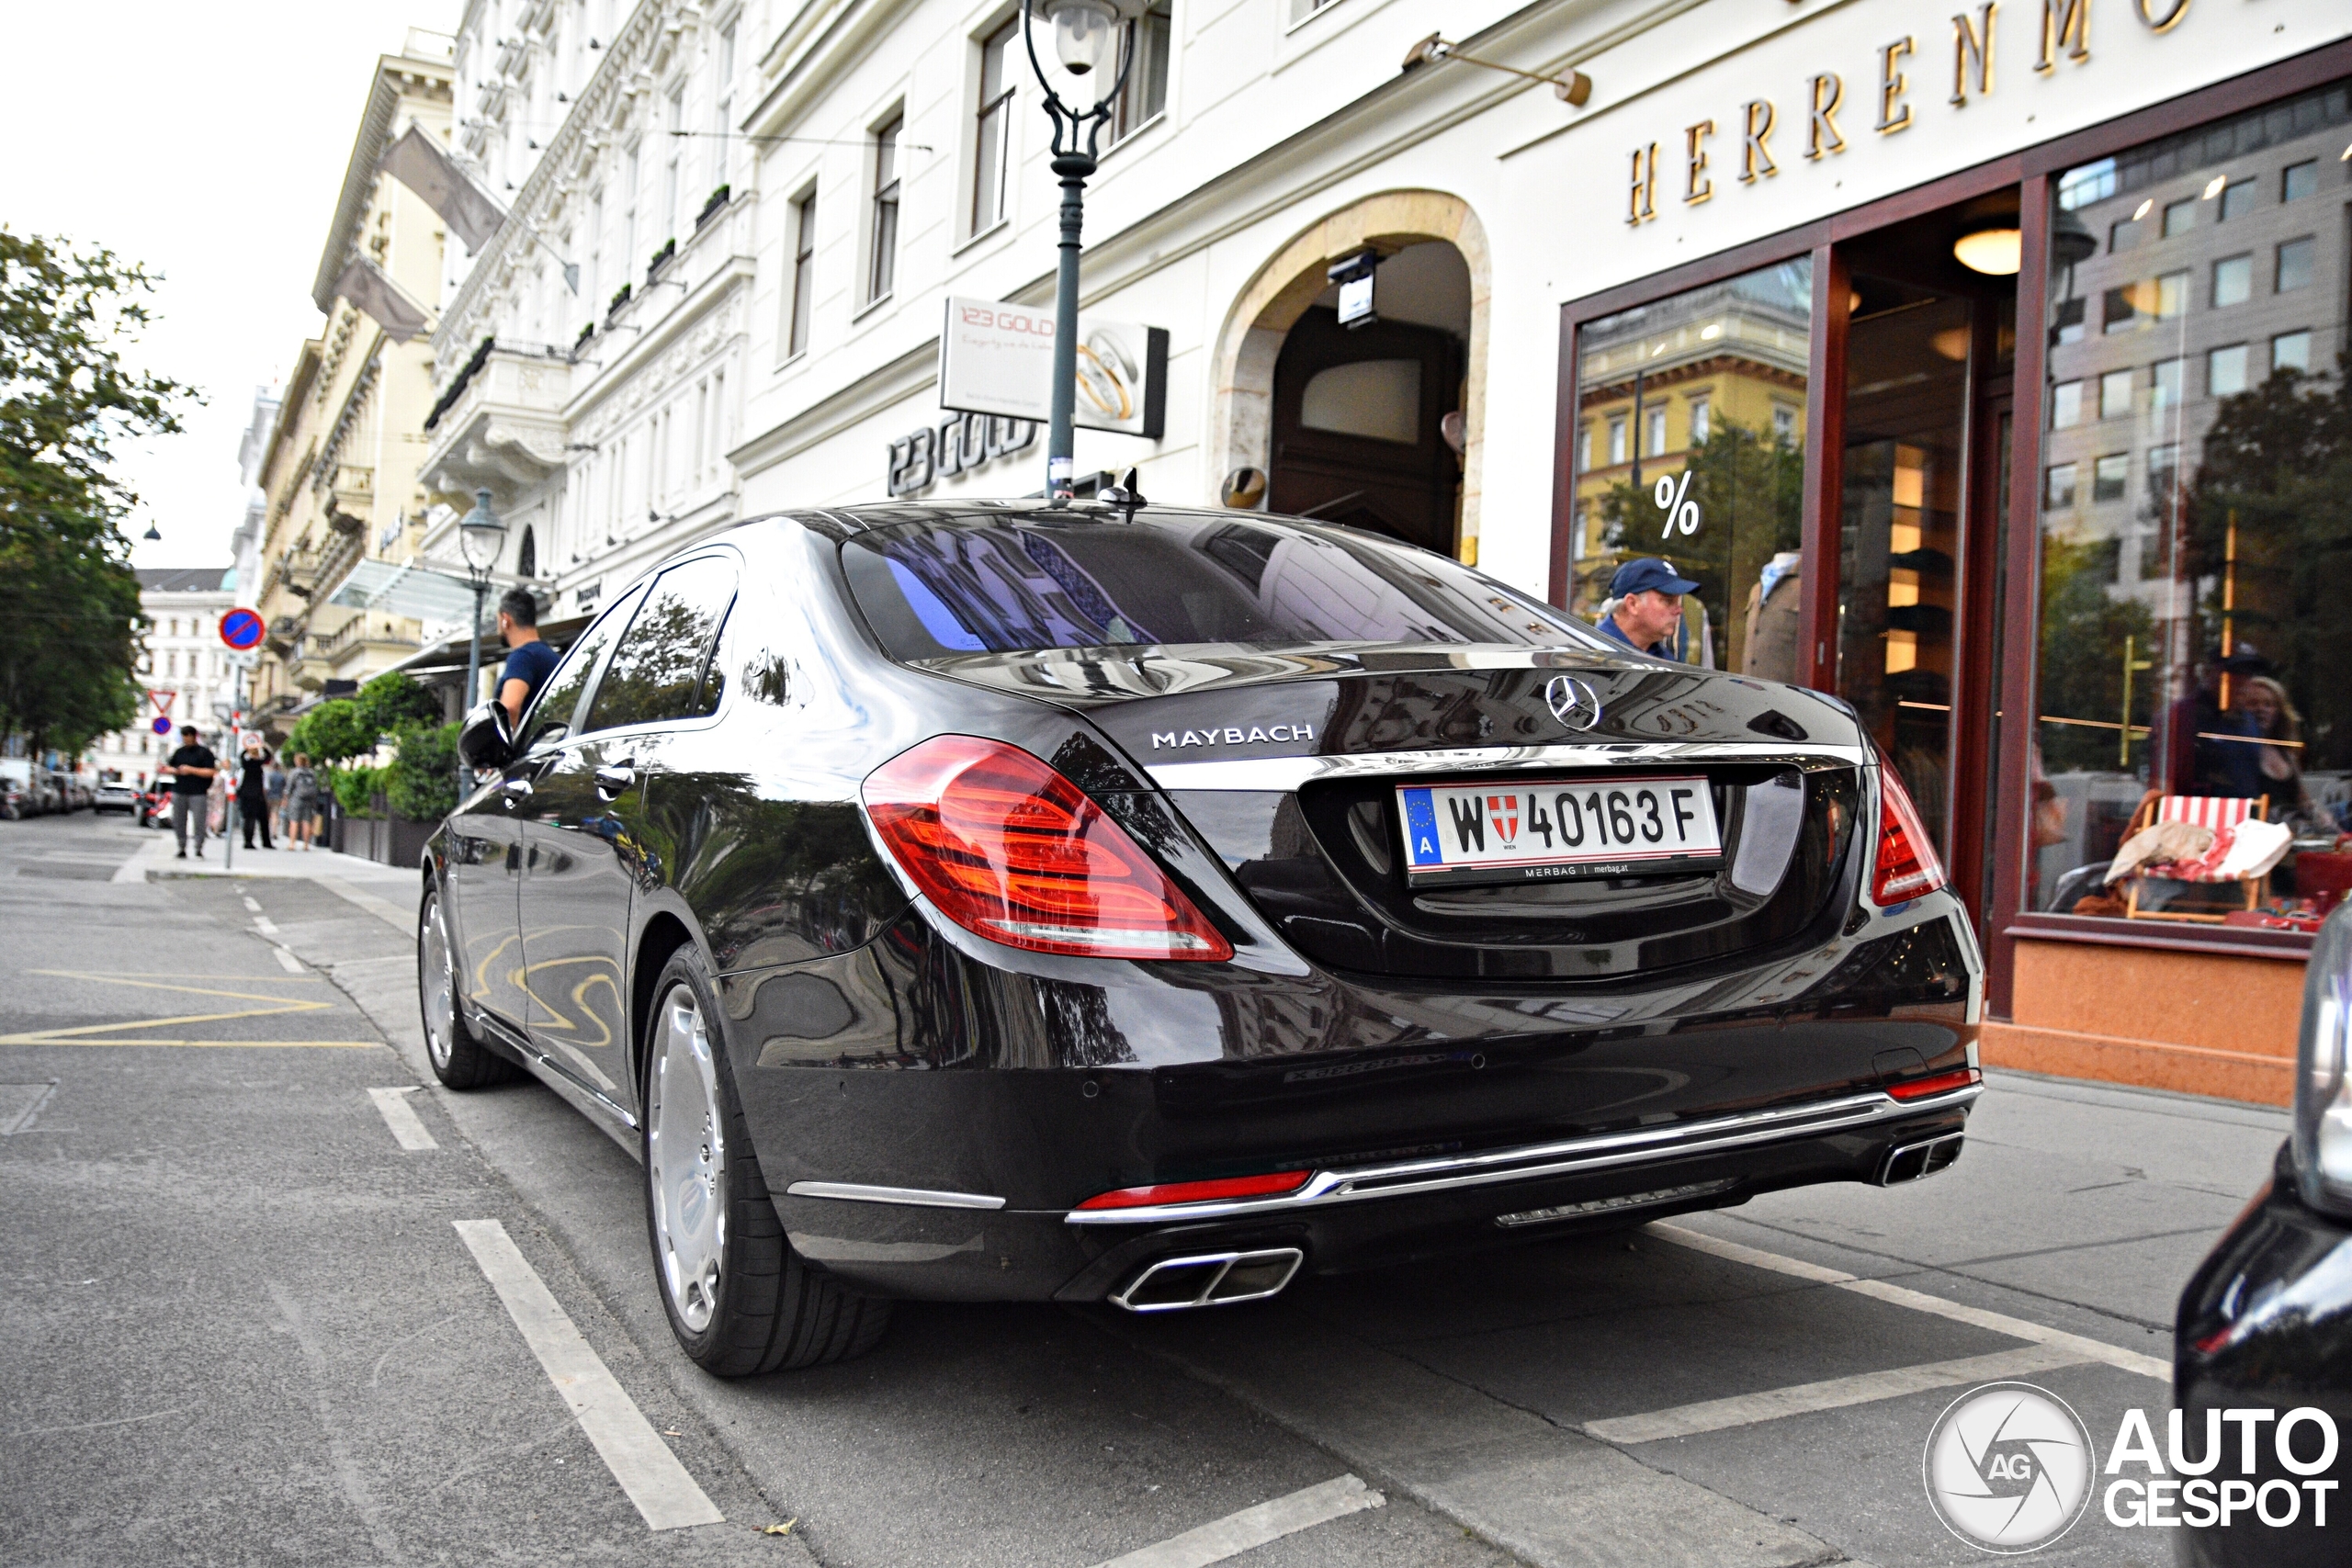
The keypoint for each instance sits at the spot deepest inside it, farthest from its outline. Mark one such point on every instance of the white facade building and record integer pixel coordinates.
(244, 545)
(186, 665)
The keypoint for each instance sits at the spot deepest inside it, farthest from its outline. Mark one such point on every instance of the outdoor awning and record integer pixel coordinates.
(417, 592)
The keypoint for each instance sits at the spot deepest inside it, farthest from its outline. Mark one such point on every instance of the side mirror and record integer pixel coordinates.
(488, 739)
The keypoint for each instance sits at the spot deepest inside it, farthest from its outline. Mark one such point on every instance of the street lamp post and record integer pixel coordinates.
(481, 537)
(1085, 33)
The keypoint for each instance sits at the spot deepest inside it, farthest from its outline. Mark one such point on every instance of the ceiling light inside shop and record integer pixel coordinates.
(1994, 248)
(1951, 343)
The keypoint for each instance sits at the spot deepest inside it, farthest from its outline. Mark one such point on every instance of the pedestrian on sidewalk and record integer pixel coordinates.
(191, 769)
(253, 794)
(529, 661)
(273, 790)
(301, 802)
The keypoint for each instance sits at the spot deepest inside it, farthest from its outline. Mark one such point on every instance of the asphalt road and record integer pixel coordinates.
(239, 1323)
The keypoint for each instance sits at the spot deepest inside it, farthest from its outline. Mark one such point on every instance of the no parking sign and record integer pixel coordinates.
(241, 629)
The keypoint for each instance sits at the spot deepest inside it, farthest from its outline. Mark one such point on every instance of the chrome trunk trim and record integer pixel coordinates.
(1288, 774)
(916, 1197)
(1600, 1152)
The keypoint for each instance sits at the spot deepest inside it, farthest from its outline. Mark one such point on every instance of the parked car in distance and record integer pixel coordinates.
(117, 794)
(154, 804)
(1138, 905)
(2264, 1326)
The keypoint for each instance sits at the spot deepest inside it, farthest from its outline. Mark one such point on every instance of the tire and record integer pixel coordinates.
(740, 1299)
(459, 1059)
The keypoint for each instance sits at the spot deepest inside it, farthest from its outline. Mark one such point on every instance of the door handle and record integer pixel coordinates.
(514, 793)
(614, 777)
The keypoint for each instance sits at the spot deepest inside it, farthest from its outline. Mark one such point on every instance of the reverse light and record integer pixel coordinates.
(1227, 1187)
(1907, 867)
(1010, 850)
(1940, 1083)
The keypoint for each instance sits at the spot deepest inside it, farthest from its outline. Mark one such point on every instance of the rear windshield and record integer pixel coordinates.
(1003, 584)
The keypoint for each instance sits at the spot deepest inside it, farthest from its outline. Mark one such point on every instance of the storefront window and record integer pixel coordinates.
(1712, 383)
(2195, 527)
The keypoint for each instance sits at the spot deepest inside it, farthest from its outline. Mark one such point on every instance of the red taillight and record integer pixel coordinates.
(1907, 866)
(1200, 1191)
(1009, 848)
(1941, 1083)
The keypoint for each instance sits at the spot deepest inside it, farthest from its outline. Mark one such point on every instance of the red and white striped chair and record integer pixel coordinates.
(2214, 811)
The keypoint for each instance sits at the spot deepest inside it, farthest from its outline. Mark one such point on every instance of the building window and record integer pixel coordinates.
(722, 114)
(2225, 371)
(2179, 216)
(2121, 235)
(629, 216)
(882, 225)
(2109, 475)
(2115, 394)
(804, 273)
(2295, 263)
(2065, 405)
(2209, 669)
(670, 177)
(1584, 446)
(1744, 481)
(992, 135)
(1143, 51)
(2233, 280)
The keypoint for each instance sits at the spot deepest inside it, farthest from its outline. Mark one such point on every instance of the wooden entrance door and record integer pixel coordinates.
(1356, 437)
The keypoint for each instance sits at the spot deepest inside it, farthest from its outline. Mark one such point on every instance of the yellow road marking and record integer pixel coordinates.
(81, 1034)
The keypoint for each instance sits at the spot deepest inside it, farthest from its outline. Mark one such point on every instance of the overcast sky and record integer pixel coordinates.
(208, 142)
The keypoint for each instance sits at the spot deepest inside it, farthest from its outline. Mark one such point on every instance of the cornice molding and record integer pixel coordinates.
(398, 76)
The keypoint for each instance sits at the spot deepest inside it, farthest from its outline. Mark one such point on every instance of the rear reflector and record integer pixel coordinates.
(1200, 1191)
(1941, 1083)
(1907, 867)
(1010, 850)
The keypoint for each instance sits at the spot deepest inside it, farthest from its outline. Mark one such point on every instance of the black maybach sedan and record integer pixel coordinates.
(986, 902)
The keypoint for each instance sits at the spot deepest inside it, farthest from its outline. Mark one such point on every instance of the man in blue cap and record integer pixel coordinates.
(1648, 615)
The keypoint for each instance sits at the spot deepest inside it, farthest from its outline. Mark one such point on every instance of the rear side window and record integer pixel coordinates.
(657, 672)
(554, 715)
(1006, 584)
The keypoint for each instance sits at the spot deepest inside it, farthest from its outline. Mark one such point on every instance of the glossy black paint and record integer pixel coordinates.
(872, 1042)
(2265, 1323)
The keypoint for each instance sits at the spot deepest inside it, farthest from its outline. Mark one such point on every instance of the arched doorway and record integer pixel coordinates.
(526, 557)
(1377, 425)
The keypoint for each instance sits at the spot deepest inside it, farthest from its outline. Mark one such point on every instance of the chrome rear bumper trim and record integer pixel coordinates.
(916, 1197)
(1289, 773)
(1598, 1153)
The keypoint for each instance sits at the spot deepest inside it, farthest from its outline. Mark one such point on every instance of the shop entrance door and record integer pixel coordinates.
(1358, 433)
(1922, 481)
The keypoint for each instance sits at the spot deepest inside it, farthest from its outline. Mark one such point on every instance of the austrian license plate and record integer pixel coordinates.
(1532, 832)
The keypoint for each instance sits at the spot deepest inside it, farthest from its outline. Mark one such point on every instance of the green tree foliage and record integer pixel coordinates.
(356, 789)
(2083, 632)
(332, 732)
(1749, 488)
(69, 600)
(394, 701)
(422, 781)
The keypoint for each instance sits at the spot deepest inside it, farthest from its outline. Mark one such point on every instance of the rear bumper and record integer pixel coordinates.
(930, 1249)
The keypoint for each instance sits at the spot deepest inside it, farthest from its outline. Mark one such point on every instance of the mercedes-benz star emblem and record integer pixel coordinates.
(1573, 703)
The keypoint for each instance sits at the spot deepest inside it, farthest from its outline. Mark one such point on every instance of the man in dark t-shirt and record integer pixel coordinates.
(529, 661)
(191, 769)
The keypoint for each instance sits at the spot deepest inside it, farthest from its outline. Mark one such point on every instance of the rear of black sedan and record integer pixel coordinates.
(1143, 905)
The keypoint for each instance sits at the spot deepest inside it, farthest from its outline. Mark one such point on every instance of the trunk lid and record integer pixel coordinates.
(1288, 763)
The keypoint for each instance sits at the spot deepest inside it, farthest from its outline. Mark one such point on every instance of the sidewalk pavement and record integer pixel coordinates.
(159, 859)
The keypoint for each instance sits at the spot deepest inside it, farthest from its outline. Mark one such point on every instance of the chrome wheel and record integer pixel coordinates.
(685, 1155)
(437, 980)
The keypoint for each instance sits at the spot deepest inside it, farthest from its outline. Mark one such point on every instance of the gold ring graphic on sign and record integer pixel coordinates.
(1102, 386)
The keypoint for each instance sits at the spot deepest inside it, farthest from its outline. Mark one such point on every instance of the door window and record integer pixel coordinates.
(552, 716)
(657, 672)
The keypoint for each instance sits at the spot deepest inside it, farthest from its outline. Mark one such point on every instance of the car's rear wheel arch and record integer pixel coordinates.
(663, 935)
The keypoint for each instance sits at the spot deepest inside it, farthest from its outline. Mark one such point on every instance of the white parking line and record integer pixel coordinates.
(664, 1493)
(400, 1117)
(1237, 1533)
(265, 925)
(249, 902)
(2079, 1347)
(286, 960)
(393, 915)
(1830, 1393)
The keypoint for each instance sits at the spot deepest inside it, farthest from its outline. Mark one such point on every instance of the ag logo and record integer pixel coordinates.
(2009, 1468)
(1572, 702)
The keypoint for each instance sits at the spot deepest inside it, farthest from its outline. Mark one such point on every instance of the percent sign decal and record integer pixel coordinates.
(1673, 500)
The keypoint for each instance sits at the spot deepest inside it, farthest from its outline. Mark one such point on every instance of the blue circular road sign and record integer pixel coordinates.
(241, 629)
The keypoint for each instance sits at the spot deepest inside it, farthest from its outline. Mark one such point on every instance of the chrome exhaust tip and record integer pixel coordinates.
(1914, 1162)
(1210, 1278)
